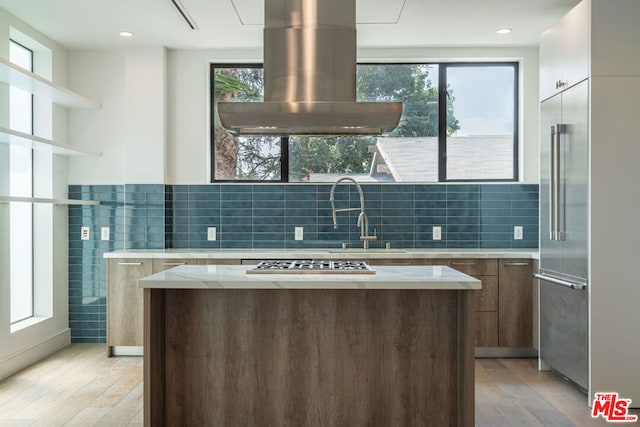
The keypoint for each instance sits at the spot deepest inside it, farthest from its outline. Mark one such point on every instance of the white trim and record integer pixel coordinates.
(25, 357)
(30, 321)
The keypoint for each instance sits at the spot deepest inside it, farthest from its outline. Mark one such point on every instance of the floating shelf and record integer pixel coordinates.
(33, 83)
(9, 136)
(9, 199)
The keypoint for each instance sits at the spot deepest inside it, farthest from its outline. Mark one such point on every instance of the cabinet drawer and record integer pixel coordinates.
(213, 261)
(476, 267)
(165, 264)
(403, 261)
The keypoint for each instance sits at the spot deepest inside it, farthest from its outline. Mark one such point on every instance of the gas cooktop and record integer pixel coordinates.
(312, 267)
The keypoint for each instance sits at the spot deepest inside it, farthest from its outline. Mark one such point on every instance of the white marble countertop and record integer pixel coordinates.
(263, 254)
(235, 277)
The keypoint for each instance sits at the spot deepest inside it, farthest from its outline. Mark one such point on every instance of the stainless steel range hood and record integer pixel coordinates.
(310, 76)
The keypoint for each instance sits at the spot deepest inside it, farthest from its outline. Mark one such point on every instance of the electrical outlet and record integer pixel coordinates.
(84, 233)
(211, 233)
(104, 233)
(517, 232)
(437, 233)
(299, 233)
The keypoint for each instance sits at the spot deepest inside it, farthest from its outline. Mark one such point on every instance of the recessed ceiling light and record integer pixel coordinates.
(503, 30)
(126, 34)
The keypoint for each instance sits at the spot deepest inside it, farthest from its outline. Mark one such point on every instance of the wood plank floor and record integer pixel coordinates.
(79, 386)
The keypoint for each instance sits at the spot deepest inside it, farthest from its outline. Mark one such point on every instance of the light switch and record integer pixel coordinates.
(299, 233)
(104, 233)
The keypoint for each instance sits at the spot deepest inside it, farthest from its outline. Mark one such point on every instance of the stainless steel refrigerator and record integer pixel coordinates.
(563, 273)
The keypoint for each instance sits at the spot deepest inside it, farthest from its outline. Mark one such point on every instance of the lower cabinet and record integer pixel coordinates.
(125, 304)
(504, 314)
(486, 328)
(486, 301)
(125, 320)
(504, 305)
(124, 299)
(515, 303)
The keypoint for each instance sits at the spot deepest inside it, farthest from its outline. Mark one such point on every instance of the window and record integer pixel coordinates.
(481, 141)
(459, 123)
(21, 184)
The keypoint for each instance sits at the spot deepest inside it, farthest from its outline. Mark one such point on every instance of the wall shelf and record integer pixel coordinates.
(33, 83)
(9, 136)
(58, 202)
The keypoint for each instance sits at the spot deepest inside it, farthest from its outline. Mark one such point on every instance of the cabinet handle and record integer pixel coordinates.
(463, 263)
(129, 263)
(515, 263)
(174, 263)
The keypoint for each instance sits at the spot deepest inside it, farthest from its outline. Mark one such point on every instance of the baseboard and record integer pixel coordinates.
(491, 352)
(28, 356)
(118, 350)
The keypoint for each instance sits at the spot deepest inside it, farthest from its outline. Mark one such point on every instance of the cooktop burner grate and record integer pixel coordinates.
(310, 266)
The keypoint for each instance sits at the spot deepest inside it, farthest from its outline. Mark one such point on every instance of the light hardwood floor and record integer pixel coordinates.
(79, 386)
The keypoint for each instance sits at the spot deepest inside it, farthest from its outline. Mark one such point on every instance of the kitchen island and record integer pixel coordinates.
(223, 347)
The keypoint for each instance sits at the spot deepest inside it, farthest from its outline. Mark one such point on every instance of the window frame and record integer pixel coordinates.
(442, 121)
(284, 141)
(14, 322)
(442, 124)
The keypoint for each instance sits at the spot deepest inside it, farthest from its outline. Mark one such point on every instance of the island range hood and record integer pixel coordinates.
(310, 76)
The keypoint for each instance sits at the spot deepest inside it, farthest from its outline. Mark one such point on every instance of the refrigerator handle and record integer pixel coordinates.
(556, 281)
(552, 186)
(559, 203)
(555, 201)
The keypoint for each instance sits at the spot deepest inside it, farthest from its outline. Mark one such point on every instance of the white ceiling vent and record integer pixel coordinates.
(184, 13)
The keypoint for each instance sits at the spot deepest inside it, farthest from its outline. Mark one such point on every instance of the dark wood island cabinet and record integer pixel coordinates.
(226, 348)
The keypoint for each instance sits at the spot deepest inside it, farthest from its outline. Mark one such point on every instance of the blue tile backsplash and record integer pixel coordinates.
(157, 216)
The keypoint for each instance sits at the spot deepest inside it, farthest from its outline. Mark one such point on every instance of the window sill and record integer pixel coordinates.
(26, 323)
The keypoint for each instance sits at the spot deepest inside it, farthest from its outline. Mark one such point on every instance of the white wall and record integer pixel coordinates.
(614, 233)
(105, 76)
(51, 332)
(129, 130)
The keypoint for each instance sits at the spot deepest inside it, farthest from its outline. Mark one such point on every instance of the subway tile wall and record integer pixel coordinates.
(265, 216)
(135, 217)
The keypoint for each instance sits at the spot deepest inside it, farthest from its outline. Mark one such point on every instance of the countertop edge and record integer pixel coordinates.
(386, 278)
(262, 254)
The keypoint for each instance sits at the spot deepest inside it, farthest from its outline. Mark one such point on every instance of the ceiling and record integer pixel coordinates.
(90, 24)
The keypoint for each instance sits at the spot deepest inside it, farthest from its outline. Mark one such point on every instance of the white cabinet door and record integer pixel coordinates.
(575, 45)
(550, 62)
(564, 52)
